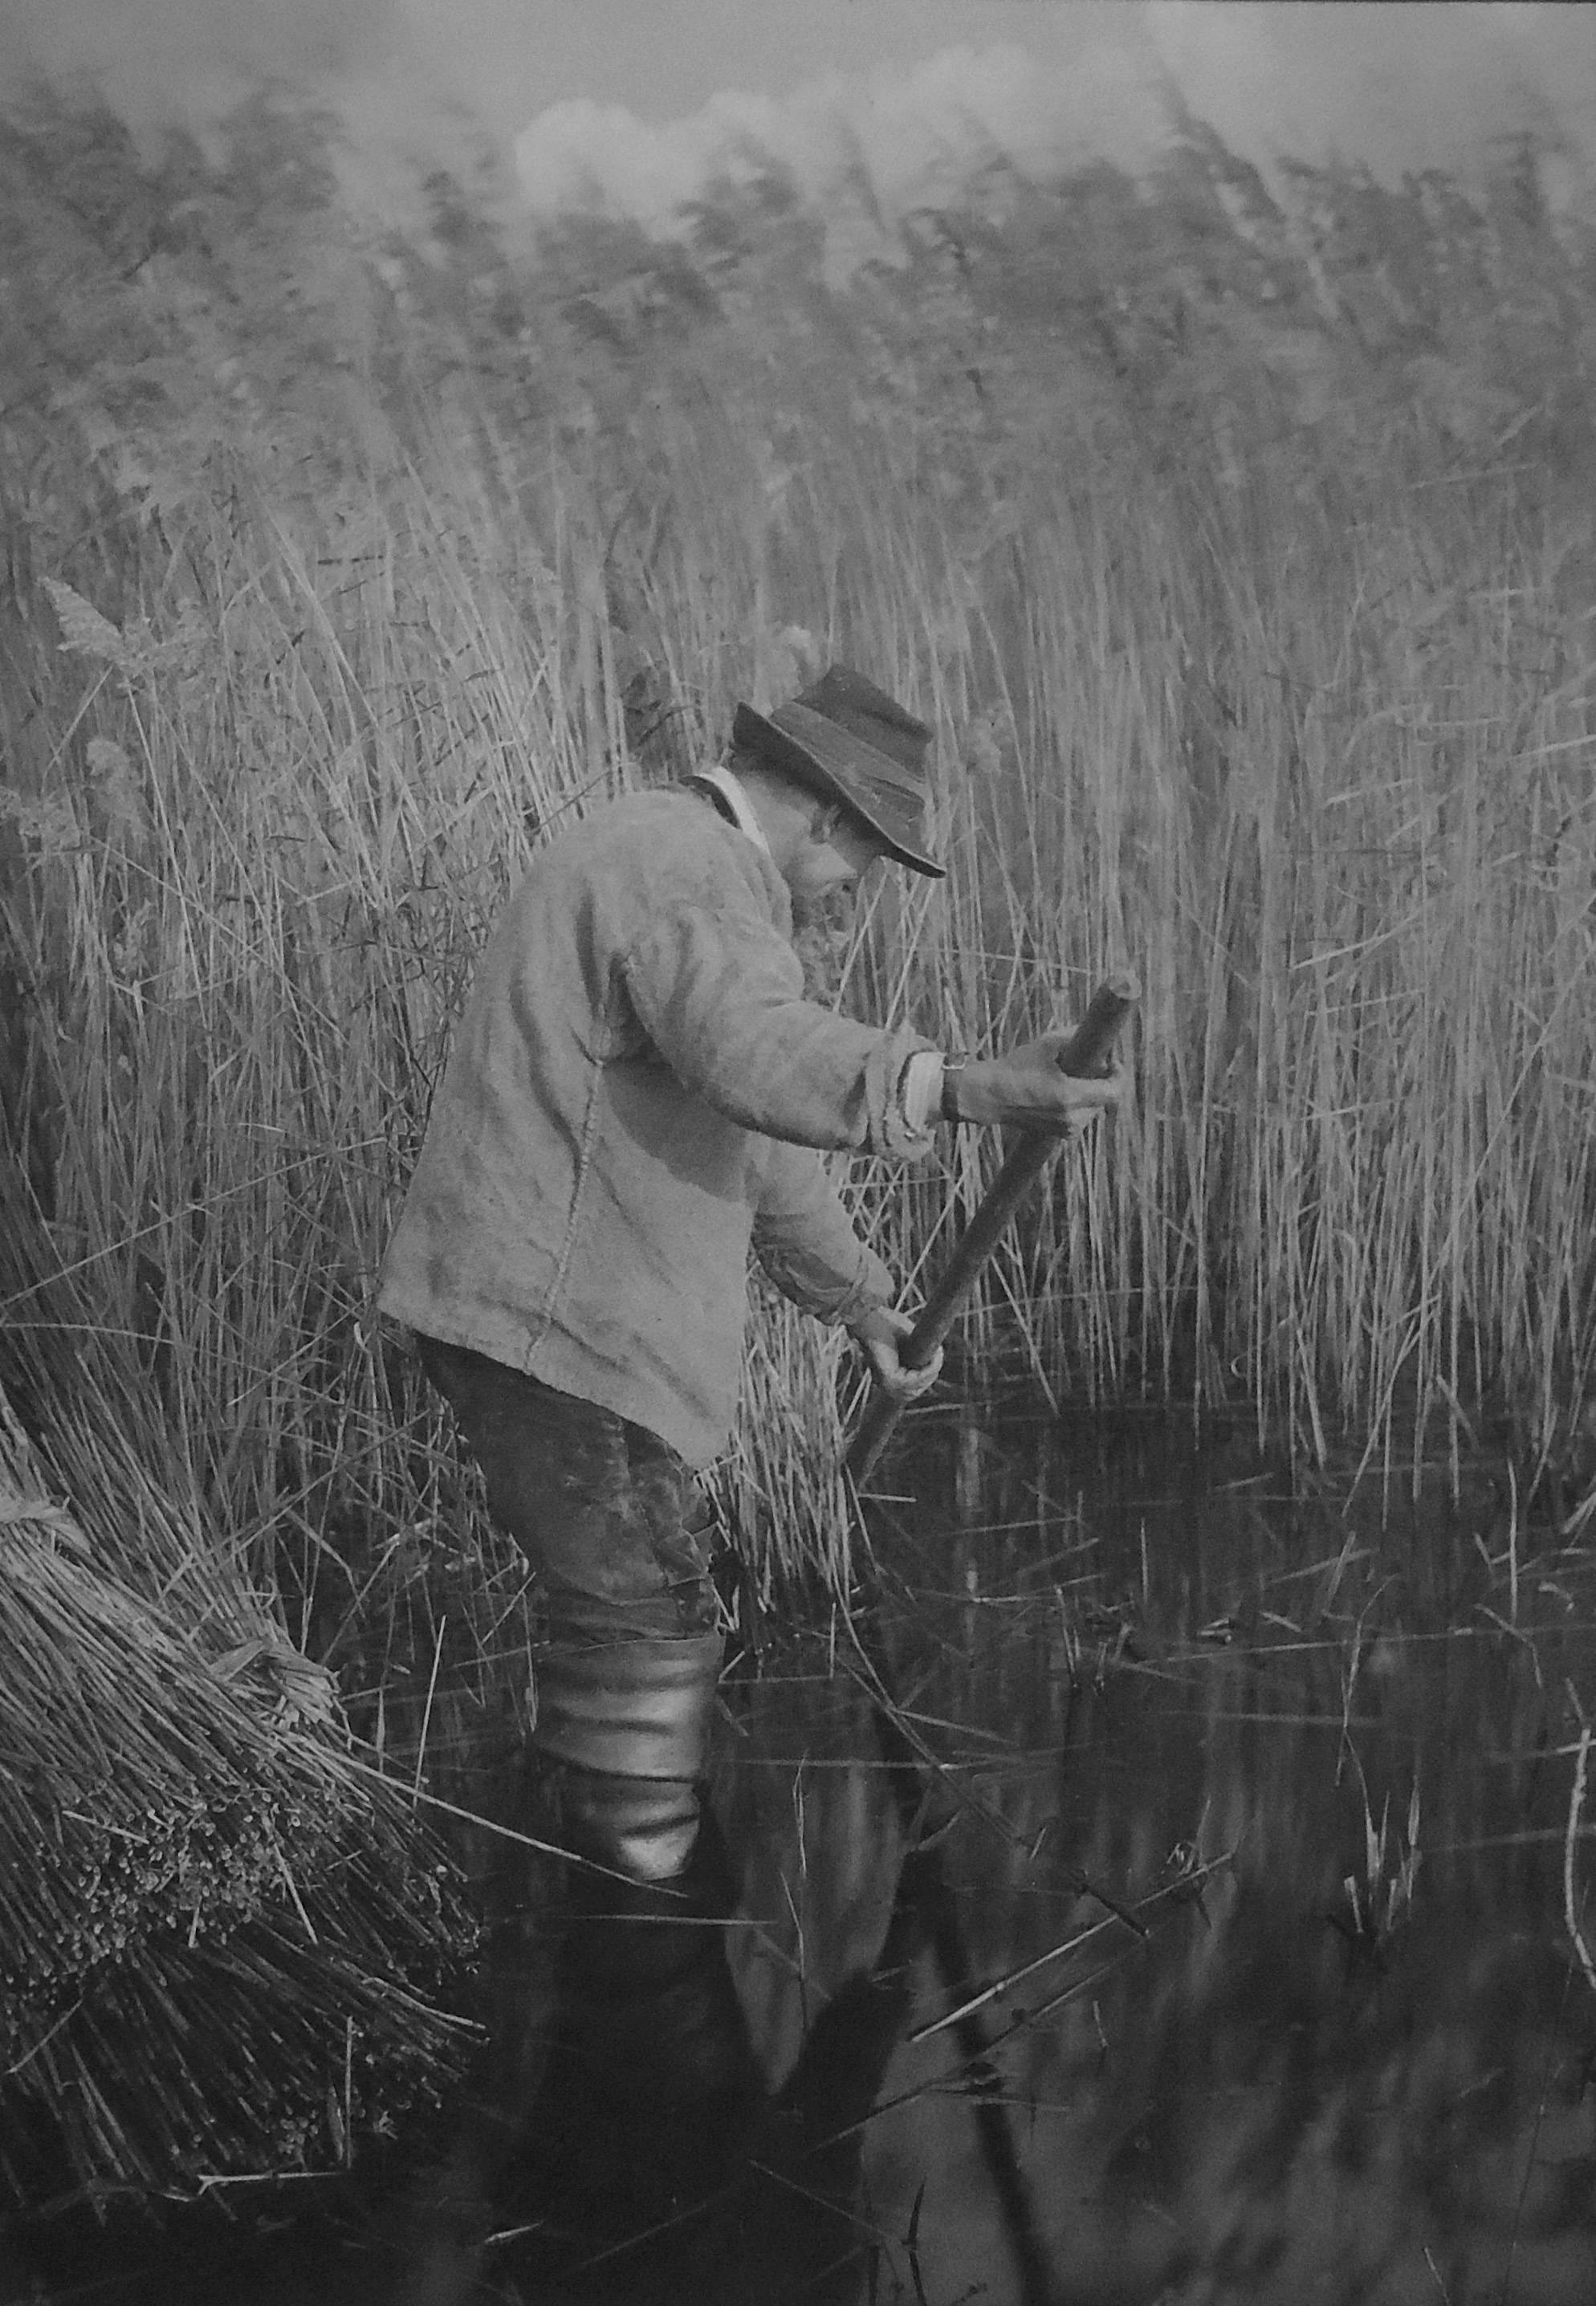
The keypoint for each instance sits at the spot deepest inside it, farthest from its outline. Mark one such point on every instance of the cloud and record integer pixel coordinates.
(905, 102)
(913, 135)
(1398, 88)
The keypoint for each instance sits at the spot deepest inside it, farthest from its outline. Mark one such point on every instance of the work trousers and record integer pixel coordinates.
(617, 1526)
(620, 1534)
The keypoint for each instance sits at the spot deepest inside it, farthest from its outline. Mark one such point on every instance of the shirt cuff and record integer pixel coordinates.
(919, 1091)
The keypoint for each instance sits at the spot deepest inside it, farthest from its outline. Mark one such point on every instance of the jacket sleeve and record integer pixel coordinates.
(805, 1241)
(719, 991)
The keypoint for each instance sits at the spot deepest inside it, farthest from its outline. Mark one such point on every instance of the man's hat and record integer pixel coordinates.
(845, 738)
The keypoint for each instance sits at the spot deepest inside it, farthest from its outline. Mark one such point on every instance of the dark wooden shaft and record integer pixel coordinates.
(1084, 1055)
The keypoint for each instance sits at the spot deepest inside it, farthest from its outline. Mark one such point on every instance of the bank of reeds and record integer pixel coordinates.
(1259, 656)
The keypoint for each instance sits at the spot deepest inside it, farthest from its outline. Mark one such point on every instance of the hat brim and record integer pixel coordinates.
(827, 759)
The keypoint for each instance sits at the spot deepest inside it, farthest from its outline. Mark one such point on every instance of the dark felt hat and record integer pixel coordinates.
(846, 739)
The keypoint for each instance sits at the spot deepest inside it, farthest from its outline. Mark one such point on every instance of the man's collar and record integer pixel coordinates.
(719, 780)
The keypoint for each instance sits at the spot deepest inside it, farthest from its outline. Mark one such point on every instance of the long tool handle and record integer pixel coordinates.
(1084, 1055)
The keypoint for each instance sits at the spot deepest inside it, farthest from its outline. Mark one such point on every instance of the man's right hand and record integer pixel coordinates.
(1025, 1089)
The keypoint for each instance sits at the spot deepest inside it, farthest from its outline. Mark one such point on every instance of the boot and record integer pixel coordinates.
(627, 1723)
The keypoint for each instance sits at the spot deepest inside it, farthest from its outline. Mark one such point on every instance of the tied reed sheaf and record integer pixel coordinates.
(1235, 540)
(221, 1945)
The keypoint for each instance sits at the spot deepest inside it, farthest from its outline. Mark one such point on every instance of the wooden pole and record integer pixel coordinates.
(1084, 1055)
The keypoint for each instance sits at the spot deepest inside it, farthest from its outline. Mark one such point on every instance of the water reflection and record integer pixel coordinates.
(1260, 1806)
(668, 2152)
(1168, 1902)
(1359, 2068)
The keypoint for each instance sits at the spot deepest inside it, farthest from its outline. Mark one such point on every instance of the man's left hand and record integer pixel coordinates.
(882, 1332)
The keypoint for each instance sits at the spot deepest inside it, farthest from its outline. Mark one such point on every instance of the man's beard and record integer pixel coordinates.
(822, 938)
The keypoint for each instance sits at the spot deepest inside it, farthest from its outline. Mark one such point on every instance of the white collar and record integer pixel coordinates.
(723, 782)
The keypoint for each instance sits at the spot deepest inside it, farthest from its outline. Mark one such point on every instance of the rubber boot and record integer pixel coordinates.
(628, 1724)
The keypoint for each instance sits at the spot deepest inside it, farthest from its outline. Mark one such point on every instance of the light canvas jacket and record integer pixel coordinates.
(634, 1099)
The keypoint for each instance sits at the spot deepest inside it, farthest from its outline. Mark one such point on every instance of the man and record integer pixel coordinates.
(637, 1095)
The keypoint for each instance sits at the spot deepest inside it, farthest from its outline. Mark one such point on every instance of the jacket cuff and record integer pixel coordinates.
(872, 1288)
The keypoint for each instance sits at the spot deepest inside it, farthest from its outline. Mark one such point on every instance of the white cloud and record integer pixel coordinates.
(915, 135)
(904, 94)
(1399, 88)
(579, 153)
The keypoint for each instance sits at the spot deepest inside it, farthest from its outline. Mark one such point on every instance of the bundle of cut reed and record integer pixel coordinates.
(222, 1944)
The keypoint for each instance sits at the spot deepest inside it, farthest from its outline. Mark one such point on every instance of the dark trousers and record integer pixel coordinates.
(619, 1533)
(615, 1524)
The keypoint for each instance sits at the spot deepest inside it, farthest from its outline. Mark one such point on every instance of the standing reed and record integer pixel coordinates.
(1229, 558)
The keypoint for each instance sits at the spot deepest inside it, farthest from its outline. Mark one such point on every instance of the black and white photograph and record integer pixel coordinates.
(798, 1153)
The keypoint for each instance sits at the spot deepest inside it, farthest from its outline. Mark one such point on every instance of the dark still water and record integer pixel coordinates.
(1169, 1900)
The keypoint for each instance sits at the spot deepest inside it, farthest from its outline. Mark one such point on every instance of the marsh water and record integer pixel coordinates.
(1178, 1894)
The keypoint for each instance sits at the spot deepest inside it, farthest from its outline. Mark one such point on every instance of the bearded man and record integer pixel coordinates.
(638, 1096)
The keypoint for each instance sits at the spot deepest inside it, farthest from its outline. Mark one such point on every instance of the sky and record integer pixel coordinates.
(630, 101)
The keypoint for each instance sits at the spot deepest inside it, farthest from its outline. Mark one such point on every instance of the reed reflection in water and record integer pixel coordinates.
(1166, 1902)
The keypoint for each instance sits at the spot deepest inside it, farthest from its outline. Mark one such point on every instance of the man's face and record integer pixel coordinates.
(828, 866)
